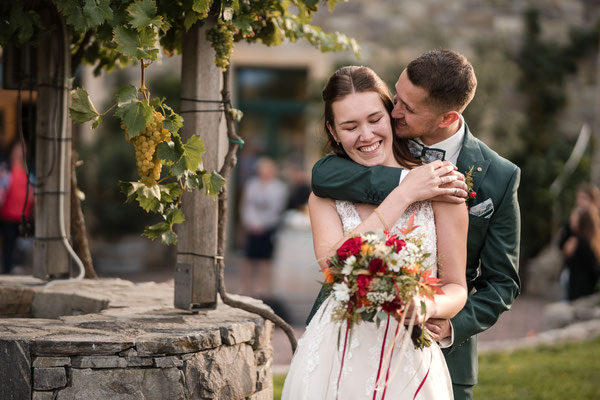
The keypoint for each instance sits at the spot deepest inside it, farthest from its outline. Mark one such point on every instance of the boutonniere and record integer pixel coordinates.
(471, 194)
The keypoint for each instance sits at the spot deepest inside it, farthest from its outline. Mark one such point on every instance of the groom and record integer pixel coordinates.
(431, 94)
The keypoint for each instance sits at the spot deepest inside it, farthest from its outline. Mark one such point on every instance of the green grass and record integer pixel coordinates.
(566, 371)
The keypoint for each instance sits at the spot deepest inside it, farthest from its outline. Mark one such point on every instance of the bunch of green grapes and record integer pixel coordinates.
(221, 39)
(145, 144)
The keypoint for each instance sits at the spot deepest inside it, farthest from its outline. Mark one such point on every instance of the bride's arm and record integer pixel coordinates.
(451, 224)
(420, 184)
(327, 229)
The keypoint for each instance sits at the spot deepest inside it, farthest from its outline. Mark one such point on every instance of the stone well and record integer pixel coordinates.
(113, 339)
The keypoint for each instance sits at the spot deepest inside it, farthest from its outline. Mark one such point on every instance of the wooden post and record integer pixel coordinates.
(195, 271)
(53, 134)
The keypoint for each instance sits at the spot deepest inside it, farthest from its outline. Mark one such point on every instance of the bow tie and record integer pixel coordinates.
(424, 153)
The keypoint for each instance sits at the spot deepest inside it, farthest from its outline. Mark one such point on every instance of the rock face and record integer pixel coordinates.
(137, 347)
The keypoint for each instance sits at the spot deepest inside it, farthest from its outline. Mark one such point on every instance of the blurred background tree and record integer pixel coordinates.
(543, 148)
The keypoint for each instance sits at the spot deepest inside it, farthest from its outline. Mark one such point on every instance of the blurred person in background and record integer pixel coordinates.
(582, 252)
(17, 205)
(587, 196)
(299, 188)
(263, 201)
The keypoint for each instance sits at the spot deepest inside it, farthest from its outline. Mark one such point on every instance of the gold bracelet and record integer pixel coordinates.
(385, 225)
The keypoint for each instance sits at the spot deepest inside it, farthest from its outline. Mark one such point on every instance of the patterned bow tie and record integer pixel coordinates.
(424, 153)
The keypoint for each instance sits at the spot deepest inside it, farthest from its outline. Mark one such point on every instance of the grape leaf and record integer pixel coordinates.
(175, 216)
(213, 182)
(173, 121)
(82, 109)
(167, 151)
(191, 158)
(135, 115)
(143, 14)
(23, 22)
(202, 7)
(196, 181)
(136, 44)
(126, 95)
(191, 17)
(97, 12)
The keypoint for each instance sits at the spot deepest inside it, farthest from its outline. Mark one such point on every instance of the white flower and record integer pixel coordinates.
(394, 262)
(348, 265)
(341, 291)
(371, 237)
(381, 250)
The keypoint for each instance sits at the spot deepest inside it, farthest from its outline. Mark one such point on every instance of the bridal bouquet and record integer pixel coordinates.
(376, 275)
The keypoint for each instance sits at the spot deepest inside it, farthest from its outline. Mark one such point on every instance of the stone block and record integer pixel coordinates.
(262, 356)
(264, 377)
(139, 361)
(224, 373)
(98, 362)
(77, 345)
(125, 384)
(49, 362)
(42, 395)
(264, 333)
(55, 304)
(167, 362)
(238, 333)
(153, 344)
(49, 378)
(15, 370)
(558, 315)
(128, 353)
(16, 300)
(266, 394)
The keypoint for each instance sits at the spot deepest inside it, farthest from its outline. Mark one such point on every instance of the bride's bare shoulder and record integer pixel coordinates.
(315, 201)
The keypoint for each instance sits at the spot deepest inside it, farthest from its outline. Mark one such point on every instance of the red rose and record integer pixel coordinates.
(350, 247)
(376, 265)
(391, 307)
(363, 282)
(393, 240)
(472, 195)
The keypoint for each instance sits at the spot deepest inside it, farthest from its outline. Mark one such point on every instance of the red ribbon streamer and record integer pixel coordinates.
(425, 378)
(387, 324)
(343, 356)
(387, 374)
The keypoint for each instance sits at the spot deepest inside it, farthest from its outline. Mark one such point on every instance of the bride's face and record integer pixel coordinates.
(363, 128)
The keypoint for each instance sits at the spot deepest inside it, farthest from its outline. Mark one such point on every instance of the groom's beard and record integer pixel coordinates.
(408, 132)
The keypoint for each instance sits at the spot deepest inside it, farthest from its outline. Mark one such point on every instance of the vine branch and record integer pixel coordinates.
(229, 163)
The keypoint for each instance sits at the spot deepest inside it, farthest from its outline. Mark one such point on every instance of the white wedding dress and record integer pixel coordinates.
(315, 367)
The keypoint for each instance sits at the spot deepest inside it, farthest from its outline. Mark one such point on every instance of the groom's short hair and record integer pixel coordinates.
(447, 76)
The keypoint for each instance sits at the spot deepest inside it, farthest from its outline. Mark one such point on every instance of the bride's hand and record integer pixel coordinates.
(415, 306)
(438, 179)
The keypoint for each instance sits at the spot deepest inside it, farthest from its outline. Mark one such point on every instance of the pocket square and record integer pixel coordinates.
(483, 210)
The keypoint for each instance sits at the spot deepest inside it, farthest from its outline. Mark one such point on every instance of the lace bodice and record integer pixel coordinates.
(423, 217)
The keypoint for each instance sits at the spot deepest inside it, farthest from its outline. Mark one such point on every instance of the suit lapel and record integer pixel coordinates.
(470, 156)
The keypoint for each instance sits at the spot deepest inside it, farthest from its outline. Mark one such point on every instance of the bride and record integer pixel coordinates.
(358, 126)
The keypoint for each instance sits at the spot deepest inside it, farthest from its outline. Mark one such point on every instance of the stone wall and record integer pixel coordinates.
(137, 347)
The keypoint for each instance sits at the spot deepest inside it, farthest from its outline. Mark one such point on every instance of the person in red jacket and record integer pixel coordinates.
(17, 205)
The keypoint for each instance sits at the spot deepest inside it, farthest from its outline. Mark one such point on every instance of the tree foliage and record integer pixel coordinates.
(117, 33)
(544, 68)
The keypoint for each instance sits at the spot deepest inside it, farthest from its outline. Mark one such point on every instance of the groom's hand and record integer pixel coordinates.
(460, 189)
(439, 328)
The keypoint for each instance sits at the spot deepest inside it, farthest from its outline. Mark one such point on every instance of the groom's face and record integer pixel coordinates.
(412, 116)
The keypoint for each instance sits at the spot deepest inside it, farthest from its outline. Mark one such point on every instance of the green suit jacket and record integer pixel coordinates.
(492, 243)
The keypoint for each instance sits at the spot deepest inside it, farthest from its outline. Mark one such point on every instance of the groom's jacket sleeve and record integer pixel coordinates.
(340, 178)
(497, 283)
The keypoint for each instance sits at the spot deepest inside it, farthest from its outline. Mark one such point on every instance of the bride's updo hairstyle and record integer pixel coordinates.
(358, 79)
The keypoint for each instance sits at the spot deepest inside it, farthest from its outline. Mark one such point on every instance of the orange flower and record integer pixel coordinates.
(412, 269)
(366, 249)
(328, 274)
